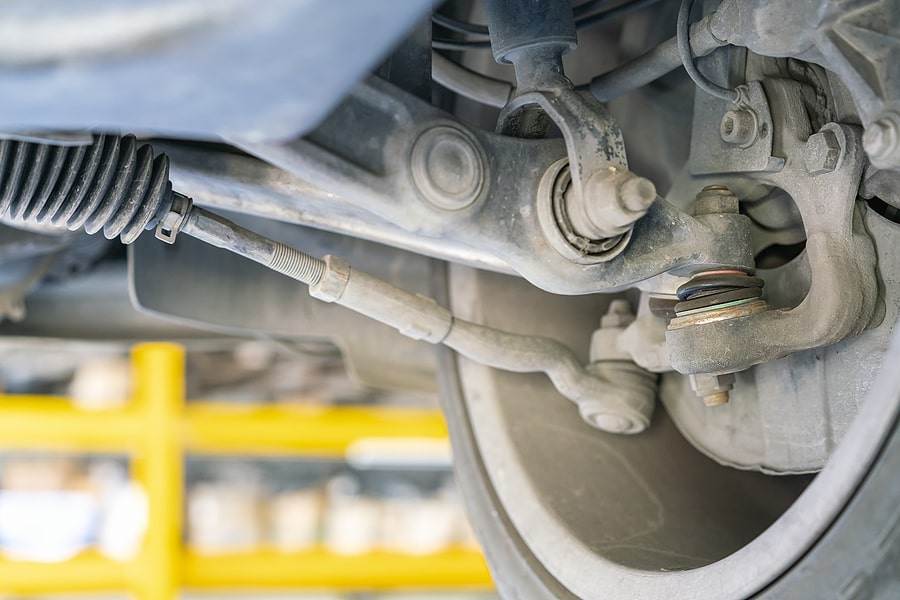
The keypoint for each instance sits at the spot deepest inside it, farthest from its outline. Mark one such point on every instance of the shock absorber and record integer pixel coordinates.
(113, 184)
(121, 189)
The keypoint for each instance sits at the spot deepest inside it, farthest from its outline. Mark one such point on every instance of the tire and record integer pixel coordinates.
(834, 536)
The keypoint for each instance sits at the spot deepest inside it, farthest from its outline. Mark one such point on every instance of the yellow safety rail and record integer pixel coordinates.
(156, 430)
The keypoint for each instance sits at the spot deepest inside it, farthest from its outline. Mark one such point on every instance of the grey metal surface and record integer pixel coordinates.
(601, 200)
(842, 296)
(373, 173)
(28, 255)
(194, 68)
(219, 179)
(105, 313)
(859, 41)
(224, 233)
(608, 197)
(712, 154)
(789, 415)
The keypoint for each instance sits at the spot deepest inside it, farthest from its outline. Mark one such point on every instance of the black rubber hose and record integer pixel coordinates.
(652, 65)
(115, 185)
(468, 83)
(685, 52)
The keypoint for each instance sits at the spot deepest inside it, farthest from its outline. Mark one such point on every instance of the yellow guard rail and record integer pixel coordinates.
(156, 430)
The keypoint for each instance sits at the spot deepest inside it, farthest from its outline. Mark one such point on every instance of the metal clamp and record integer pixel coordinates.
(171, 223)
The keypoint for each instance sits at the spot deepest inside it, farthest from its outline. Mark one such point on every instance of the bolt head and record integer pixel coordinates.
(823, 153)
(739, 127)
(881, 141)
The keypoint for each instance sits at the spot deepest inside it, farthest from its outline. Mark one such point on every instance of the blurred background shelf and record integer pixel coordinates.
(157, 429)
(215, 427)
(262, 570)
(375, 570)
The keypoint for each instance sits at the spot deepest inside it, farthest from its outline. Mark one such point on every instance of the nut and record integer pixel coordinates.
(823, 153)
(739, 127)
(713, 388)
(334, 280)
(716, 200)
(882, 141)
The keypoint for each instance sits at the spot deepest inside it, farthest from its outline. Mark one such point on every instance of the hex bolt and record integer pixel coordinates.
(881, 141)
(716, 200)
(713, 388)
(739, 127)
(823, 153)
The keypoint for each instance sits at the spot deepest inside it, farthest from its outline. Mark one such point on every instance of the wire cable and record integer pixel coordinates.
(581, 22)
(682, 31)
(586, 8)
(459, 45)
(613, 13)
(459, 26)
(654, 63)
(468, 83)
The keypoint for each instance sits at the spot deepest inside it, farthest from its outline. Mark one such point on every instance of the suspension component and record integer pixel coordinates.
(113, 184)
(589, 203)
(595, 391)
(636, 386)
(715, 290)
(716, 295)
(117, 187)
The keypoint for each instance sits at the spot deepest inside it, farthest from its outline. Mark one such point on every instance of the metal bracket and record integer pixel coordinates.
(374, 176)
(711, 154)
(842, 296)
